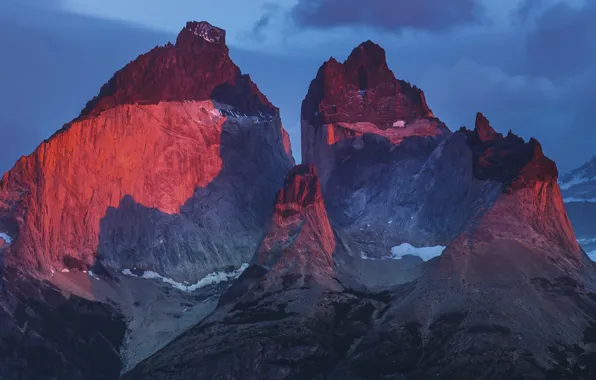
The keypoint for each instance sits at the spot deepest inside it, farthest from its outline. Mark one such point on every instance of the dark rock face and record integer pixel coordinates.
(44, 335)
(505, 159)
(464, 327)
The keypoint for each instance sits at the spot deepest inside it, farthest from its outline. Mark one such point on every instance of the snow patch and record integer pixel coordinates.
(210, 279)
(7, 239)
(207, 32)
(592, 255)
(573, 199)
(425, 253)
(398, 252)
(577, 179)
(65, 270)
(400, 124)
(91, 274)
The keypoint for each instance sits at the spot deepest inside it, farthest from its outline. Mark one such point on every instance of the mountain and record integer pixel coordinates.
(510, 295)
(168, 143)
(165, 233)
(170, 173)
(579, 192)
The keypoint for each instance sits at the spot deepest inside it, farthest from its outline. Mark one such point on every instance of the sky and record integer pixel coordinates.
(528, 65)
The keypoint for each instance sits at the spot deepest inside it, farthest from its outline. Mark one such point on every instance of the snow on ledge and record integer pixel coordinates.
(7, 239)
(210, 279)
(425, 253)
(399, 251)
(573, 199)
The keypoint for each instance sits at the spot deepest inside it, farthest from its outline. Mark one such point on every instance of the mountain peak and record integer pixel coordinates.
(198, 67)
(300, 240)
(508, 159)
(483, 129)
(370, 58)
(362, 89)
(201, 30)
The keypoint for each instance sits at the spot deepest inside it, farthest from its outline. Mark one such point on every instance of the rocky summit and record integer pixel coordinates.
(166, 234)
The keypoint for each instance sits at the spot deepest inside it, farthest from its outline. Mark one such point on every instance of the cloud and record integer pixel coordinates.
(270, 11)
(387, 15)
(562, 43)
(527, 9)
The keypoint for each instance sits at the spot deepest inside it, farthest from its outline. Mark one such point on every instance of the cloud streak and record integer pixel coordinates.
(387, 15)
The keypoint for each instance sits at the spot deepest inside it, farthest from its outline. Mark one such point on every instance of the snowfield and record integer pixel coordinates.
(572, 199)
(425, 253)
(399, 251)
(210, 279)
(5, 237)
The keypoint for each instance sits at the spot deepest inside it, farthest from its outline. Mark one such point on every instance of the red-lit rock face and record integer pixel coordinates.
(300, 241)
(158, 154)
(177, 133)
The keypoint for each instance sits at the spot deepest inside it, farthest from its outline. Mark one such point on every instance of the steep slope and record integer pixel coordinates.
(579, 193)
(171, 168)
(170, 174)
(299, 245)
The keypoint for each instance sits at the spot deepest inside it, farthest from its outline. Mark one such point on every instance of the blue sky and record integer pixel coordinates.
(529, 65)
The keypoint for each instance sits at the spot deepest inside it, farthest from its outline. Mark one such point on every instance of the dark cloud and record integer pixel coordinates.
(563, 43)
(561, 46)
(388, 15)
